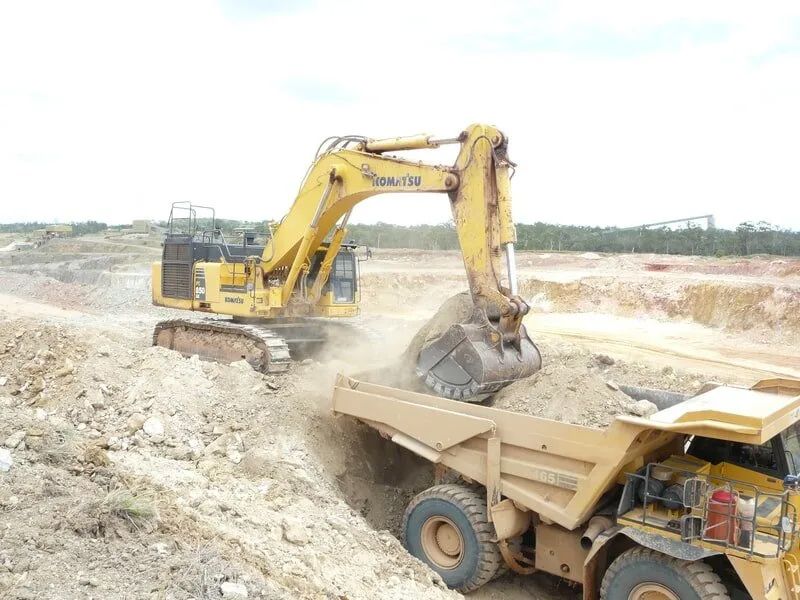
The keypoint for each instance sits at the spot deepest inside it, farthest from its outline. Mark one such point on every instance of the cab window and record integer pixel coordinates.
(764, 458)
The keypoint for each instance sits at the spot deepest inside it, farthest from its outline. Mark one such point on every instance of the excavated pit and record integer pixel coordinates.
(381, 478)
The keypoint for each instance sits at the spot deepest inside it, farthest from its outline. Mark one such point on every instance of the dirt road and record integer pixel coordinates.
(681, 345)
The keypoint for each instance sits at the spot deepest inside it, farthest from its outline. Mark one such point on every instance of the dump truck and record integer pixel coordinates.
(696, 502)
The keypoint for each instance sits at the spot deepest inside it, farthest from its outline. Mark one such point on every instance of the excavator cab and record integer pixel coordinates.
(342, 282)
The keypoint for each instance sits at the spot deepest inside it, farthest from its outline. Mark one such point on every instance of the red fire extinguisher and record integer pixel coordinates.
(722, 523)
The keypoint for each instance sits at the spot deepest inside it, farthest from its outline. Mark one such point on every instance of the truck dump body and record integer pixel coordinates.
(559, 470)
(556, 469)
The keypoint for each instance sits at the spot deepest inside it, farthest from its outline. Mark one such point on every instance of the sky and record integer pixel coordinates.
(618, 112)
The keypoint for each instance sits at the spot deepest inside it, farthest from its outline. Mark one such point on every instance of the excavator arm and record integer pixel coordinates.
(471, 359)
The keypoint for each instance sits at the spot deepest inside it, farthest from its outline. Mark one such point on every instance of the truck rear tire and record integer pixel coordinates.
(446, 527)
(641, 573)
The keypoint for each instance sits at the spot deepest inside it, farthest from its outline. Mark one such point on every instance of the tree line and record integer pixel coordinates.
(748, 238)
(78, 228)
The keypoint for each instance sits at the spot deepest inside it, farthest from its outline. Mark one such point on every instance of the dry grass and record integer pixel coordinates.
(135, 508)
(201, 576)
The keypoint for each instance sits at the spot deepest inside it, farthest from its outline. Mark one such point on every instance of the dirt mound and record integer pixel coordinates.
(579, 387)
(456, 309)
(768, 309)
(173, 477)
(39, 363)
(574, 385)
(566, 389)
(742, 307)
(82, 273)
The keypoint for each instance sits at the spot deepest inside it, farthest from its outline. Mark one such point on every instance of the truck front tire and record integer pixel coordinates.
(641, 573)
(446, 527)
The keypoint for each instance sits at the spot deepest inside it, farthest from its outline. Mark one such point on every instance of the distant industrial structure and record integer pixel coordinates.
(53, 231)
(709, 219)
(140, 226)
(143, 226)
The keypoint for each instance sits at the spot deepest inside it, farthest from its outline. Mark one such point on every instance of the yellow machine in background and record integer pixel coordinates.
(278, 293)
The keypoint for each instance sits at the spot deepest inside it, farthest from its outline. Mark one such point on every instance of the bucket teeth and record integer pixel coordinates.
(463, 364)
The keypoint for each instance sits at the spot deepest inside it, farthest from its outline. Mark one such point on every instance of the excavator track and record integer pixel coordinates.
(225, 341)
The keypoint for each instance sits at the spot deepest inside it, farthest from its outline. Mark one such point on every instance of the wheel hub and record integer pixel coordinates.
(652, 591)
(442, 542)
(448, 539)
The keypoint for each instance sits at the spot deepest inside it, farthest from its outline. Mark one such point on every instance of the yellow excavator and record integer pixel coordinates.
(285, 293)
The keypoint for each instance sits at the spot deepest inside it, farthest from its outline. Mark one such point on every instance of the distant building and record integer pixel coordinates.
(53, 231)
(140, 226)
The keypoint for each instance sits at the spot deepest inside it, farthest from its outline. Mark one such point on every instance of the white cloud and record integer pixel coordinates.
(618, 113)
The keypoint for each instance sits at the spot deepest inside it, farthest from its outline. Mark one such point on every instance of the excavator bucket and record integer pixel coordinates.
(466, 364)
